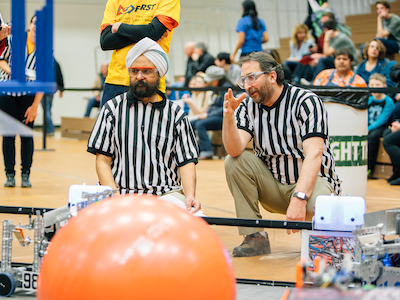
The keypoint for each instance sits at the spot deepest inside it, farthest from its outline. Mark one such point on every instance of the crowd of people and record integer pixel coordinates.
(332, 61)
(322, 55)
(292, 162)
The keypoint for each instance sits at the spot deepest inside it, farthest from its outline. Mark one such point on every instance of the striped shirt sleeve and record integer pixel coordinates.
(5, 55)
(313, 118)
(101, 139)
(186, 144)
(242, 117)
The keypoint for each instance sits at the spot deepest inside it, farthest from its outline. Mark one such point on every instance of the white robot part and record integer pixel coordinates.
(338, 213)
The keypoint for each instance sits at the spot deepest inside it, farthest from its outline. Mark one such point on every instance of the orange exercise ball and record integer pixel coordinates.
(136, 247)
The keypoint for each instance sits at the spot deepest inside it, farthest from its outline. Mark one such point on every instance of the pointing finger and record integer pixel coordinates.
(229, 95)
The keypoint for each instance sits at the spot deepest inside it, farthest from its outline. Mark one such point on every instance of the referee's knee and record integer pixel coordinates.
(231, 163)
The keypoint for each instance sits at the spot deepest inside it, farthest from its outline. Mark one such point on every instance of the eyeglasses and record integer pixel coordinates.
(250, 78)
(146, 72)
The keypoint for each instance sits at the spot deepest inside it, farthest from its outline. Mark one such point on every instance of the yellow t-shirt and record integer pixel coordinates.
(31, 46)
(137, 12)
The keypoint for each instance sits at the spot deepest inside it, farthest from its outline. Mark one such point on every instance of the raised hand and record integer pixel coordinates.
(231, 103)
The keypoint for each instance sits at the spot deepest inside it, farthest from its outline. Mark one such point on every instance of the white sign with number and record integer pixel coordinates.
(29, 281)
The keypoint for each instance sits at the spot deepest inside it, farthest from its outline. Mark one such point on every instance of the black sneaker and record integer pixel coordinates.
(253, 245)
(25, 183)
(10, 182)
(395, 182)
(394, 176)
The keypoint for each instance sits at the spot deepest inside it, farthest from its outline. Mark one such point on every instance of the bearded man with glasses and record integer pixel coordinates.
(292, 162)
(144, 143)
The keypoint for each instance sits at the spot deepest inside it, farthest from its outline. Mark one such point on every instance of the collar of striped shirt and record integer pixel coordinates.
(160, 104)
(265, 107)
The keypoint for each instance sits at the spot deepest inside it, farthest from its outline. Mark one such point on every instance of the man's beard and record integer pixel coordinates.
(264, 94)
(142, 89)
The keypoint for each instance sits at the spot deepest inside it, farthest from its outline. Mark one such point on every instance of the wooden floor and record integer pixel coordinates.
(53, 172)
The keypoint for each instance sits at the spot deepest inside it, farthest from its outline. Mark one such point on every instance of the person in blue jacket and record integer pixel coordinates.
(376, 62)
(380, 110)
(251, 29)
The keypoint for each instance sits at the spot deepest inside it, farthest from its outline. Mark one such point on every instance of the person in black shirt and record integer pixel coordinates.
(198, 61)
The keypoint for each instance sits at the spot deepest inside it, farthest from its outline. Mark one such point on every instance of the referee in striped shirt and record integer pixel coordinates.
(144, 144)
(293, 162)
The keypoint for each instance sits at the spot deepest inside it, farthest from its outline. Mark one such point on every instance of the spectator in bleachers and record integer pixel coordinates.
(232, 71)
(251, 29)
(334, 40)
(341, 75)
(396, 113)
(198, 101)
(198, 61)
(388, 27)
(48, 98)
(391, 143)
(314, 7)
(327, 16)
(176, 95)
(301, 45)
(395, 77)
(188, 49)
(212, 119)
(380, 109)
(277, 57)
(375, 62)
(98, 84)
(314, 57)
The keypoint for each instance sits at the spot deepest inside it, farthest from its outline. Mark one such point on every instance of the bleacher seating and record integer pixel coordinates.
(363, 28)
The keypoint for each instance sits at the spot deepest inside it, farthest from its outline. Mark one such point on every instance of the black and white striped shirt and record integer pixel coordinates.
(30, 66)
(279, 131)
(5, 55)
(148, 143)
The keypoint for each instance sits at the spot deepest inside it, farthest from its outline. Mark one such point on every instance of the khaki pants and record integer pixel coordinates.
(250, 182)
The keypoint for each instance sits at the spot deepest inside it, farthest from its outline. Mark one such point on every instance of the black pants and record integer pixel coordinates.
(373, 146)
(391, 143)
(16, 107)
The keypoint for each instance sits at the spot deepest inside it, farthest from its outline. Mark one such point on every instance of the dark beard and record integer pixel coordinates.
(264, 93)
(142, 89)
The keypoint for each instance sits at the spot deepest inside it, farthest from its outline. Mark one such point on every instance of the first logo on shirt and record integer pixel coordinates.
(131, 8)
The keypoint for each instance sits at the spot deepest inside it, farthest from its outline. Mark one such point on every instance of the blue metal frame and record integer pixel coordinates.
(45, 81)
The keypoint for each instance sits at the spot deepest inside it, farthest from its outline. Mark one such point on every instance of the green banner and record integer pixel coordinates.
(349, 151)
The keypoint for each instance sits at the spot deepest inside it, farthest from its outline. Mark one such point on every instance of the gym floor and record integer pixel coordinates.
(65, 162)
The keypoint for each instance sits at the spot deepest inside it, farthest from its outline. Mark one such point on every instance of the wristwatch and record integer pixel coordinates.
(301, 196)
